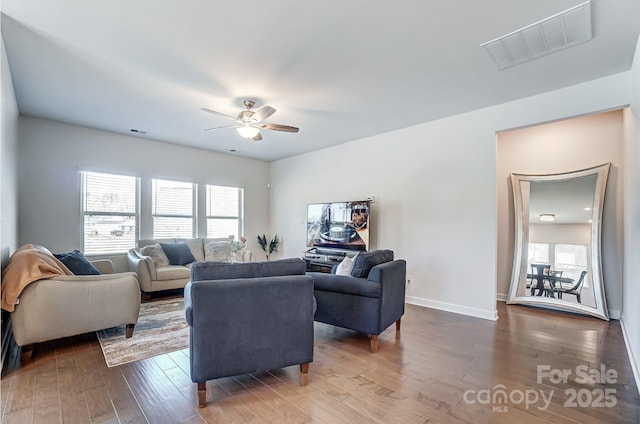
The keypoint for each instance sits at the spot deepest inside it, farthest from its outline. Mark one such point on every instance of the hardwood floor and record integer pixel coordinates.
(440, 370)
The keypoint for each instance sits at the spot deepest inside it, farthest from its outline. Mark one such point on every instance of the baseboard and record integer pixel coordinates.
(634, 366)
(502, 297)
(491, 315)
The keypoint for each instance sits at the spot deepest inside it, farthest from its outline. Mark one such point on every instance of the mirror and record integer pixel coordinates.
(557, 260)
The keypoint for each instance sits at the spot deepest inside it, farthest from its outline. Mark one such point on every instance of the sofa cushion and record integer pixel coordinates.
(344, 267)
(367, 260)
(77, 263)
(201, 271)
(156, 253)
(218, 251)
(195, 245)
(178, 253)
(345, 284)
(172, 272)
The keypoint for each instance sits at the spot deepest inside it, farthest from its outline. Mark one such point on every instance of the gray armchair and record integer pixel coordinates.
(248, 317)
(369, 300)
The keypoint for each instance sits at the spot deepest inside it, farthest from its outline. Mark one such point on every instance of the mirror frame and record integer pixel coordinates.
(600, 311)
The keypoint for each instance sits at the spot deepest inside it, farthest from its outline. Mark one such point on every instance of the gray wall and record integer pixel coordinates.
(631, 273)
(8, 164)
(51, 154)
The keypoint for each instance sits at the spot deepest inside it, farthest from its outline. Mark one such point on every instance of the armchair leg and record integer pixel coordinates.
(374, 343)
(304, 374)
(26, 352)
(129, 331)
(398, 323)
(202, 394)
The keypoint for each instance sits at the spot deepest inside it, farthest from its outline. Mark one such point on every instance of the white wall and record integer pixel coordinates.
(8, 163)
(435, 185)
(51, 154)
(631, 272)
(562, 146)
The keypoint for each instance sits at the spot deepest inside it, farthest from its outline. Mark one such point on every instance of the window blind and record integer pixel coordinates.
(172, 206)
(109, 208)
(224, 211)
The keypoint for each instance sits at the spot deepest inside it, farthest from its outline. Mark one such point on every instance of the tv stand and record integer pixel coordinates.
(320, 259)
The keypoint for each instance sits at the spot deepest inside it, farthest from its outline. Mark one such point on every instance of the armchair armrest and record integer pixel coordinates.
(105, 266)
(392, 279)
(144, 267)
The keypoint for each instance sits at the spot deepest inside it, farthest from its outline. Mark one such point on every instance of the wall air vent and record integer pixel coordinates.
(557, 32)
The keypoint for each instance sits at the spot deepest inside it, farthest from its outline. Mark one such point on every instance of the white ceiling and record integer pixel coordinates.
(339, 70)
(566, 199)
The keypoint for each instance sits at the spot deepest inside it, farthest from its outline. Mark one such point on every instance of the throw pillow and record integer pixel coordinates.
(367, 260)
(217, 251)
(344, 267)
(178, 253)
(77, 263)
(157, 255)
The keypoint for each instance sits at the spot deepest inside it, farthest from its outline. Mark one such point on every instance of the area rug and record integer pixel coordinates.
(161, 328)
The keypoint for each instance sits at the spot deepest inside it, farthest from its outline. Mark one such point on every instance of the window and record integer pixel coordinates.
(109, 207)
(538, 253)
(224, 211)
(172, 206)
(572, 260)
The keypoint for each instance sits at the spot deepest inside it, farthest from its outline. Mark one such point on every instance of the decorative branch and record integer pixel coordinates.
(268, 247)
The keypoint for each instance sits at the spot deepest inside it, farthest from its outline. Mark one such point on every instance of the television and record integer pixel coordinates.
(342, 226)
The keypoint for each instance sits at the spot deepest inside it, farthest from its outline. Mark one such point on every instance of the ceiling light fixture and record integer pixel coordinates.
(547, 217)
(247, 131)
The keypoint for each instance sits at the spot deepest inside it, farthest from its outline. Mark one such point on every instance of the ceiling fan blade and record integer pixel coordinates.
(224, 126)
(218, 113)
(279, 127)
(258, 137)
(263, 113)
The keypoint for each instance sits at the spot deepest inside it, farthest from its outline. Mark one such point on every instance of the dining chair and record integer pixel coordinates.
(538, 270)
(550, 284)
(576, 290)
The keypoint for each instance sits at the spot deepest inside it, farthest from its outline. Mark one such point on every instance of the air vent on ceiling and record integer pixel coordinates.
(557, 32)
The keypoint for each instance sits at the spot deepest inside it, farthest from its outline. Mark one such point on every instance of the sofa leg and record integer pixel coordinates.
(146, 296)
(304, 374)
(129, 331)
(26, 352)
(398, 328)
(374, 343)
(202, 395)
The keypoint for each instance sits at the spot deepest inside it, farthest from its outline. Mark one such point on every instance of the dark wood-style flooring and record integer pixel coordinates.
(444, 368)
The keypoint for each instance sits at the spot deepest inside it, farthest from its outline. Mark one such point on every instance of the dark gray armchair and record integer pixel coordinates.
(247, 318)
(369, 300)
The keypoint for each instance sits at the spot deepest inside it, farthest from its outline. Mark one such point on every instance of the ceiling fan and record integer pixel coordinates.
(249, 122)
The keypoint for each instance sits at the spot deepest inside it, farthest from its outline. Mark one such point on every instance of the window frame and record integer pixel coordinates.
(240, 212)
(84, 213)
(194, 209)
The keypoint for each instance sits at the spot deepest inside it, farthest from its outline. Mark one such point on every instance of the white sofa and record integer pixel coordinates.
(67, 305)
(153, 278)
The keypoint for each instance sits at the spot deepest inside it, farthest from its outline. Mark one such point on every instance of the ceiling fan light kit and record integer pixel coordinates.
(247, 131)
(249, 122)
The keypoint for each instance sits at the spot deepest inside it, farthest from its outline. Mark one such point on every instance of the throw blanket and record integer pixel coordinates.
(28, 264)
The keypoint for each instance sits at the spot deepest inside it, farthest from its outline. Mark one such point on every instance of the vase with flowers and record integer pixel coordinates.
(237, 248)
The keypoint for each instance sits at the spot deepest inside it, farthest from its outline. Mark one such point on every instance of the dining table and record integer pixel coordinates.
(541, 276)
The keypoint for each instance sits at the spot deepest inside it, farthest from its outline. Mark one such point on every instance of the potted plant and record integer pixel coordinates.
(270, 247)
